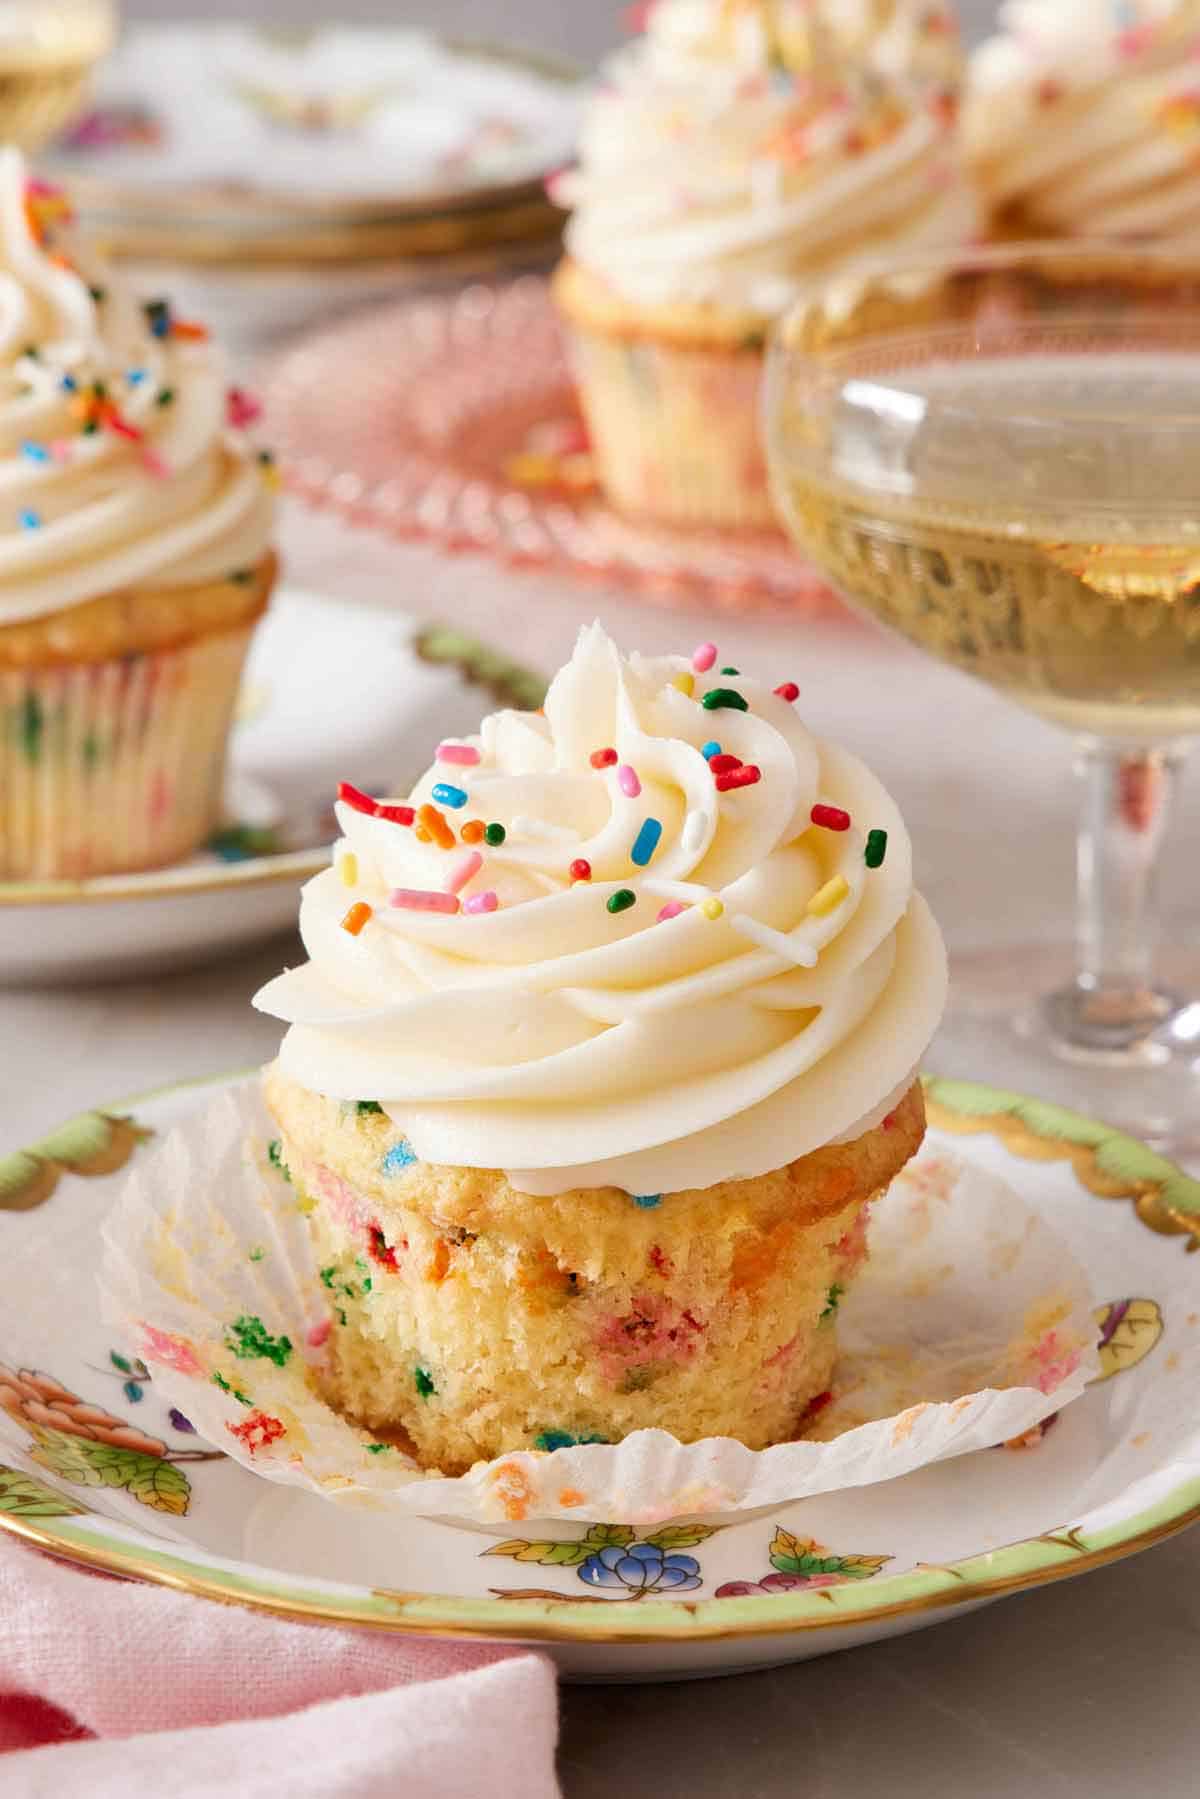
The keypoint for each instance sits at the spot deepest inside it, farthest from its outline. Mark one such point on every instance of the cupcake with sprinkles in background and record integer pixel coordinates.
(607, 1039)
(135, 526)
(1083, 119)
(736, 151)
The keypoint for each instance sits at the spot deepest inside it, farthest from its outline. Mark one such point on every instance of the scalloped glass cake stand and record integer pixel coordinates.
(454, 418)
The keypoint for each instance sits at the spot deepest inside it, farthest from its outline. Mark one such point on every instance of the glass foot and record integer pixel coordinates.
(1017, 1019)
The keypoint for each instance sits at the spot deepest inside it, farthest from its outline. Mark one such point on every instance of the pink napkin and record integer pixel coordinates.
(111, 1688)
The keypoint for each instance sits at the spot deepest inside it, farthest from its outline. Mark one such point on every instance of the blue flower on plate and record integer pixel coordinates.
(641, 1568)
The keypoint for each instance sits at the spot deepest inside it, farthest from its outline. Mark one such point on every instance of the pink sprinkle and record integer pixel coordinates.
(241, 408)
(463, 870)
(481, 902)
(703, 657)
(628, 782)
(152, 461)
(462, 753)
(672, 909)
(423, 899)
(60, 449)
(319, 1333)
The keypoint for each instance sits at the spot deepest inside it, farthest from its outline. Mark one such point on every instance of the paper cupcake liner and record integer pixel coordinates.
(675, 432)
(969, 1325)
(115, 765)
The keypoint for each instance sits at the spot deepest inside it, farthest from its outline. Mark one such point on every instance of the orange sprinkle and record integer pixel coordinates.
(190, 329)
(512, 1490)
(437, 827)
(422, 835)
(571, 1496)
(357, 917)
(472, 831)
(439, 1267)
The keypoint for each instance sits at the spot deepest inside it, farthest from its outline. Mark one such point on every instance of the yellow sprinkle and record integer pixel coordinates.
(349, 868)
(827, 897)
(712, 908)
(686, 683)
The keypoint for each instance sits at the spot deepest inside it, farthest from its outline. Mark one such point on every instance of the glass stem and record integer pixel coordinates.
(1113, 1005)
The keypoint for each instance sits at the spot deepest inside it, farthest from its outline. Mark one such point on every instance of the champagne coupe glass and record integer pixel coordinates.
(996, 453)
(48, 49)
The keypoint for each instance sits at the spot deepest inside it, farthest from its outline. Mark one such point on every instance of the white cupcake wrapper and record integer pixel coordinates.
(969, 1325)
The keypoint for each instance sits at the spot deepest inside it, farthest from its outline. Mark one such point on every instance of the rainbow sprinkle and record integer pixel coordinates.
(437, 827)
(621, 900)
(646, 842)
(647, 1201)
(348, 868)
(703, 657)
(718, 698)
(423, 899)
(35, 452)
(710, 749)
(627, 781)
(580, 869)
(494, 835)
(464, 870)
(400, 1156)
(876, 849)
(29, 519)
(787, 690)
(827, 897)
(446, 795)
(461, 753)
(606, 758)
(357, 917)
(472, 831)
(830, 818)
(684, 683)
(481, 902)
(747, 775)
(672, 909)
(712, 907)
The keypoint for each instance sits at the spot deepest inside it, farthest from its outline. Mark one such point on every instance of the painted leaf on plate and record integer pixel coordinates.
(25, 1182)
(1129, 1329)
(800, 1555)
(680, 1536)
(94, 1143)
(545, 1554)
(86, 1463)
(24, 1496)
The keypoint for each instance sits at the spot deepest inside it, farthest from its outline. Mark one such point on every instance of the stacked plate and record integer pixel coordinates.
(366, 160)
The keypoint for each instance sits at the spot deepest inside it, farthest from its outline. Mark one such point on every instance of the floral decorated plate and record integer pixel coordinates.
(96, 1467)
(329, 688)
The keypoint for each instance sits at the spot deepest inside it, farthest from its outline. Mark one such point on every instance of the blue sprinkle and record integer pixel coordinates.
(30, 519)
(710, 750)
(445, 795)
(647, 1201)
(68, 384)
(646, 842)
(35, 452)
(132, 1391)
(135, 376)
(400, 1156)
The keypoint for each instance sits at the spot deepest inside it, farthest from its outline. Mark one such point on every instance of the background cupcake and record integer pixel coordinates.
(606, 1042)
(735, 151)
(135, 522)
(1083, 119)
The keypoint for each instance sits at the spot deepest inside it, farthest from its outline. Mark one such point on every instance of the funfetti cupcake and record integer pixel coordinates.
(734, 153)
(606, 1042)
(135, 528)
(1083, 119)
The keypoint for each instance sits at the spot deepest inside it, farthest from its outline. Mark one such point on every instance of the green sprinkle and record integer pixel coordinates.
(90, 428)
(99, 295)
(621, 900)
(367, 1284)
(718, 698)
(275, 1157)
(165, 397)
(494, 834)
(365, 1107)
(731, 671)
(341, 1316)
(876, 849)
(257, 1253)
(424, 1380)
(377, 1448)
(120, 1361)
(832, 1301)
(249, 1339)
(228, 1387)
(550, 1440)
(32, 727)
(327, 1277)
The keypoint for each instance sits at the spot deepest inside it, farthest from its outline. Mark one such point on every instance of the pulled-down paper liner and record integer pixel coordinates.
(969, 1325)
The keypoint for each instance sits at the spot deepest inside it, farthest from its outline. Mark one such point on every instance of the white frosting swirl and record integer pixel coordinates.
(1086, 117)
(578, 1047)
(167, 496)
(736, 150)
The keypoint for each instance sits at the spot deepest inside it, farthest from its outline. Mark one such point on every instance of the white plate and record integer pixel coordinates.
(331, 692)
(820, 1575)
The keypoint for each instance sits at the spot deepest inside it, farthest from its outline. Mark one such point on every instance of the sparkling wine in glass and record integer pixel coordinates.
(998, 456)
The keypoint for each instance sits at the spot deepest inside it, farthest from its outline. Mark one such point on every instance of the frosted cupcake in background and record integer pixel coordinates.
(1083, 118)
(135, 527)
(735, 152)
(606, 1043)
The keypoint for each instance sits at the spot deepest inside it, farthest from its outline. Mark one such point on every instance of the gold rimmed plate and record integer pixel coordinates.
(331, 691)
(95, 1466)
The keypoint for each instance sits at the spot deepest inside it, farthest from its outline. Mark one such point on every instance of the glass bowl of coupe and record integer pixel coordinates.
(995, 455)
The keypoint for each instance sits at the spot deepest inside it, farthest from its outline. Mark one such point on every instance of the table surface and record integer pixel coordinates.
(1085, 1688)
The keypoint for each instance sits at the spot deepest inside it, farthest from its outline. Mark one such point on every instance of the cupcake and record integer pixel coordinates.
(1084, 119)
(606, 1043)
(736, 152)
(134, 558)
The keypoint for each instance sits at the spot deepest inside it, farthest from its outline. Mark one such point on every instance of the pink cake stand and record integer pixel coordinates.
(455, 418)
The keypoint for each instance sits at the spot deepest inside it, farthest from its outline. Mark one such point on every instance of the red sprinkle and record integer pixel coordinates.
(580, 869)
(788, 690)
(603, 758)
(889, 1123)
(661, 1262)
(396, 815)
(724, 764)
(257, 1431)
(747, 776)
(354, 796)
(122, 427)
(380, 1250)
(830, 818)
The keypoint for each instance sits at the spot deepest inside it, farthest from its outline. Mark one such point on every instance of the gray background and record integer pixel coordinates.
(582, 28)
